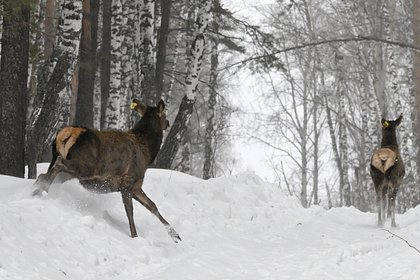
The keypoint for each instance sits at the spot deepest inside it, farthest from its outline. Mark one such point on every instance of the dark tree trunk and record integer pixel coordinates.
(168, 151)
(49, 88)
(416, 62)
(13, 86)
(87, 63)
(165, 6)
(50, 27)
(176, 134)
(53, 76)
(210, 129)
(105, 57)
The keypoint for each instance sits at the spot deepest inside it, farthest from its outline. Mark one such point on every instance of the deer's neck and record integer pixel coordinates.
(149, 137)
(389, 138)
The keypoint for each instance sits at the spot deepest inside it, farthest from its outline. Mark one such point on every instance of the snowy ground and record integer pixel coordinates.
(232, 228)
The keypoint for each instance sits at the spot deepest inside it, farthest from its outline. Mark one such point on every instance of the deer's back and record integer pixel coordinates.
(106, 153)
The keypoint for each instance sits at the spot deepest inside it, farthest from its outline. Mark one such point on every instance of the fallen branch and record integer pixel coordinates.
(418, 251)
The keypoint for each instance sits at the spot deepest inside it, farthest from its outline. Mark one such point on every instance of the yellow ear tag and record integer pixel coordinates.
(133, 105)
(385, 124)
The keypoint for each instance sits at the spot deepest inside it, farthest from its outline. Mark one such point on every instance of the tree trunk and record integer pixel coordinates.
(87, 64)
(148, 53)
(162, 45)
(213, 86)
(127, 64)
(380, 70)
(105, 58)
(334, 144)
(170, 147)
(13, 86)
(53, 84)
(315, 172)
(50, 27)
(343, 146)
(416, 62)
(113, 108)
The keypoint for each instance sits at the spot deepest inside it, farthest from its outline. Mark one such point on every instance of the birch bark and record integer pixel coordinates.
(54, 84)
(176, 134)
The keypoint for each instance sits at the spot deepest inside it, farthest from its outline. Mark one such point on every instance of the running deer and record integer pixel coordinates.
(111, 161)
(387, 171)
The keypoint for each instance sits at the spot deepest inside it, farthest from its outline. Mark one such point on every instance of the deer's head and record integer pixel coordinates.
(391, 125)
(389, 136)
(155, 117)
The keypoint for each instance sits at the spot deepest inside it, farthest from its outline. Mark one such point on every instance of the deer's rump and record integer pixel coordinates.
(383, 159)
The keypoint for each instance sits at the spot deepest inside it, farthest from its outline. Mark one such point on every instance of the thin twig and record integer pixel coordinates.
(327, 41)
(418, 251)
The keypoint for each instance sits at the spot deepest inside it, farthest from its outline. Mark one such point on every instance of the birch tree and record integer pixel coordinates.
(148, 53)
(53, 91)
(176, 134)
(212, 95)
(114, 102)
(105, 59)
(416, 63)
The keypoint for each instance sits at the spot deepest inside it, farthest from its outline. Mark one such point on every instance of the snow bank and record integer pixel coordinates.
(237, 227)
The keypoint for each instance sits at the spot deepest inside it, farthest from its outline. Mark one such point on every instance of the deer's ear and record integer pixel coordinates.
(398, 121)
(160, 107)
(138, 106)
(384, 123)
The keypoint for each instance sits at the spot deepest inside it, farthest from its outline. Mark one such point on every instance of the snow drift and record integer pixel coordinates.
(237, 227)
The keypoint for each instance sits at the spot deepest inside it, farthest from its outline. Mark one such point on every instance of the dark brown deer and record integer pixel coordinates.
(111, 161)
(387, 171)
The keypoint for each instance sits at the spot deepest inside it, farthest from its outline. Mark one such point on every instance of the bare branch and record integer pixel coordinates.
(411, 246)
(327, 41)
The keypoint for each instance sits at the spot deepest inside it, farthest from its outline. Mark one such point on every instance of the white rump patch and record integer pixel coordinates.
(383, 159)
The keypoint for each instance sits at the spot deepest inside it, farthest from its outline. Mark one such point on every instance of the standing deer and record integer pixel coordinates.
(111, 161)
(387, 171)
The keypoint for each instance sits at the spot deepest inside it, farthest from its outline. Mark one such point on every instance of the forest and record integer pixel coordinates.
(328, 71)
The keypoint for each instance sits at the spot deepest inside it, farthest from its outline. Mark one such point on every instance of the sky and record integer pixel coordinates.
(254, 156)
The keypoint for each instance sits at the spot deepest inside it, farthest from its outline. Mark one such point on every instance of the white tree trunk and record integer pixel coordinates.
(113, 110)
(148, 52)
(176, 134)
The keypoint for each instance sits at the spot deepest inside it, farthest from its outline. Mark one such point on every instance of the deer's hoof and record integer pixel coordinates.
(39, 192)
(174, 235)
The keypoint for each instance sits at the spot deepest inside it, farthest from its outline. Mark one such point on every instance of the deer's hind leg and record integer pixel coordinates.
(380, 201)
(391, 204)
(141, 197)
(44, 181)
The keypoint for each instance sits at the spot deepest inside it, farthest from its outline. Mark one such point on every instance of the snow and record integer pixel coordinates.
(236, 227)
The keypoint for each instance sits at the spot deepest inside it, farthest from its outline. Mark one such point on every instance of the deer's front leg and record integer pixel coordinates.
(141, 197)
(128, 205)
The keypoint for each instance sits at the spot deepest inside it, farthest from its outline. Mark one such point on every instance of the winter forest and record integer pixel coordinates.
(323, 74)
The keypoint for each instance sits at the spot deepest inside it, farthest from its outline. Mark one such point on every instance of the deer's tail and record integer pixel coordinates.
(383, 159)
(66, 138)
